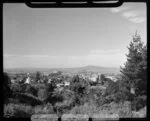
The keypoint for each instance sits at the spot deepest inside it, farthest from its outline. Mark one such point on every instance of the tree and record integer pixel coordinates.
(50, 87)
(37, 76)
(42, 94)
(134, 74)
(45, 79)
(6, 87)
(31, 90)
(79, 87)
(102, 77)
(112, 88)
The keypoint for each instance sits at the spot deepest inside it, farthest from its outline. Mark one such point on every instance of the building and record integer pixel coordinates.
(112, 78)
(132, 91)
(66, 83)
(49, 81)
(60, 85)
(13, 80)
(93, 78)
(28, 80)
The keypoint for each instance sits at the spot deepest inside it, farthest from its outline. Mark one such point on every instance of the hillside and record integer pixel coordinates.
(71, 70)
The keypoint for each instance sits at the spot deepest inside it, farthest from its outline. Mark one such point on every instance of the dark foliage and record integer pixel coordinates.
(139, 102)
(31, 90)
(134, 74)
(135, 71)
(26, 98)
(6, 87)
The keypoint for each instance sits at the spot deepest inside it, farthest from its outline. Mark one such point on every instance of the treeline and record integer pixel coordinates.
(126, 95)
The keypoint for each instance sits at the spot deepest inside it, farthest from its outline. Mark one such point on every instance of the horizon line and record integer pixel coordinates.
(58, 67)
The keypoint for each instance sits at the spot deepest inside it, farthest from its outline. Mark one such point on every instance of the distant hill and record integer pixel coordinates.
(69, 70)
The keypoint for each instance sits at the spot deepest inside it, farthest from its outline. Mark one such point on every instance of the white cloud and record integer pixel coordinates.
(119, 9)
(130, 14)
(137, 19)
(115, 10)
(135, 16)
(134, 13)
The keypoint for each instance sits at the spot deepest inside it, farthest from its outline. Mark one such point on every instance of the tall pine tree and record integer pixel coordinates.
(134, 74)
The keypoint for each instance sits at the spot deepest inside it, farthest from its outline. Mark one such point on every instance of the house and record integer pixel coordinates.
(49, 81)
(112, 78)
(132, 91)
(93, 78)
(28, 80)
(40, 81)
(66, 83)
(13, 80)
(60, 85)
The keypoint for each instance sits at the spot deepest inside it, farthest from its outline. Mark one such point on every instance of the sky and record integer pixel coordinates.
(70, 37)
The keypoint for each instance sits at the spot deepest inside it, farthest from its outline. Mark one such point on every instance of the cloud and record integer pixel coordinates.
(119, 9)
(129, 14)
(133, 15)
(137, 19)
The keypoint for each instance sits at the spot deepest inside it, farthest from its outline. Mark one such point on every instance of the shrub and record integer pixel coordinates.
(112, 88)
(142, 113)
(87, 108)
(125, 114)
(6, 87)
(17, 110)
(125, 110)
(101, 100)
(138, 103)
(31, 90)
(46, 109)
(42, 94)
(79, 86)
(9, 110)
(27, 99)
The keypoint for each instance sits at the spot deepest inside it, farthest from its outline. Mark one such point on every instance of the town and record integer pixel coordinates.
(62, 79)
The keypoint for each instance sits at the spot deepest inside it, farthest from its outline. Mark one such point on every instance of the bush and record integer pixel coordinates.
(125, 114)
(27, 99)
(79, 86)
(31, 90)
(17, 110)
(87, 108)
(125, 110)
(138, 103)
(112, 88)
(142, 113)
(102, 100)
(15, 87)
(6, 87)
(46, 109)
(42, 94)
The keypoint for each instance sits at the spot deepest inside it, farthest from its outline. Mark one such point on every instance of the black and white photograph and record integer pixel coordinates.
(75, 61)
